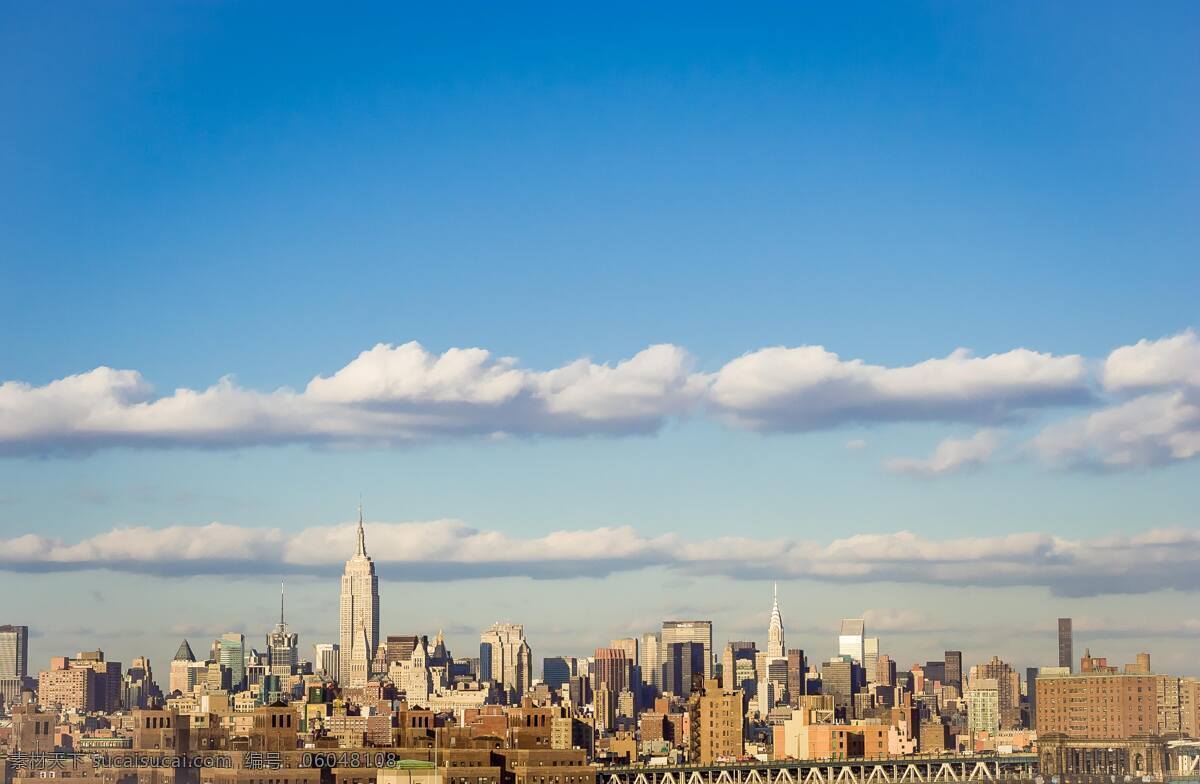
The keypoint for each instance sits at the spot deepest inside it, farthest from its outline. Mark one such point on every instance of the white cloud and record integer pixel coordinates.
(391, 395)
(1158, 424)
(951, 456)
(449, 549)
(809, 388)
(387, 395)
(1154, 364)
(1153, 429)
(855, 444)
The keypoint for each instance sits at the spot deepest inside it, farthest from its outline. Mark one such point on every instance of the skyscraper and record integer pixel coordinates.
(282, 656)
(359, 616)
(505, 658)
(557, 670)
(953, 661)
(231, 655)
(775, 644)
(14, 651)
(650, 659)
(870, 659)
(688, 631)
(681, 663)
(325, 659)
(850, 639)
(797, 676)
(1065, 656)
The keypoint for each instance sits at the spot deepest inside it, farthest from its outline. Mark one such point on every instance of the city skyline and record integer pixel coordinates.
(817, 642)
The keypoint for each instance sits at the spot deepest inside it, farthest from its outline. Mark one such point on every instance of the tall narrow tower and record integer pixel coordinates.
(775, 645)
(358, 625)
(1065, 657)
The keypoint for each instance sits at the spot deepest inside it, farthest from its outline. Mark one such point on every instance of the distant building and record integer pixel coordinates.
(689, 631)
(231, 655)
(505, 658)
(682, 663)
(1099, 704)
(650, 661)
(1008, 685)
(186, 672)
(325, 660)
(871, 659)
(776, 649)
(557, 670)
(851, 640)
(953, 669)
(1065, 656)
(358, 615)
(797, 676)
(282, 646)
(14, 651)
(983, 707)
(842, 678)
(717, 724)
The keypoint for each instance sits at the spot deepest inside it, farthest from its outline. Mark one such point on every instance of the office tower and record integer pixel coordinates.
(1065, 656)
(885, 670)
(843, 678)
(850, 639)
(629, 645)
(870, 659)
(953, 662)
(14, 651)
(935, 671)
(231, 654)
(557, 670)
(358, 622)
(400, 647)
(138, 686)
(775, 645)
(689, 631)
(325, 660)
(651, 661)
(282, 652)
(505, 658)
(797, 676)
(983, 707)
(612, 670)
(682, 662)
(183, 670)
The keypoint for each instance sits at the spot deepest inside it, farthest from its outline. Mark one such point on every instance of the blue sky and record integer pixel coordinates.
(199, 190)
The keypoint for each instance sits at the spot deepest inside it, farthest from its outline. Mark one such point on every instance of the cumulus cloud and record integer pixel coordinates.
(807, 388)
(387, 395)
(951, 456)
(1154, 364)
(449, 550)
(1154, 419)
(1148, 395)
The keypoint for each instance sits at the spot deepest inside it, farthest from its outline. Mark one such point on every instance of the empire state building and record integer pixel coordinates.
(359, 616)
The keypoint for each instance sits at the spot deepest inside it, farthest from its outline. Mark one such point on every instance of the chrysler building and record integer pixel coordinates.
(775, 646)
(359, 616)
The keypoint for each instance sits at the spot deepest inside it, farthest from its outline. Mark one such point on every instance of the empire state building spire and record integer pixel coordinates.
(362, 537)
